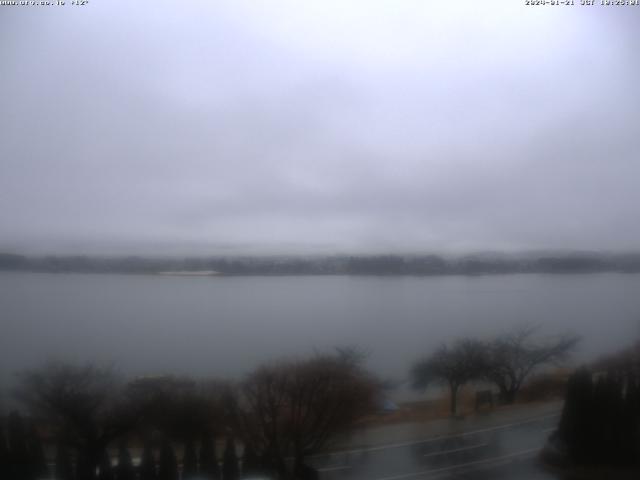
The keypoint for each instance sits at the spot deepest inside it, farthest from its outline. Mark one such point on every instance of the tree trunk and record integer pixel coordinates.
(88, 459)
(454, 399)
(301, 471)
(275, 464)
(508, 395)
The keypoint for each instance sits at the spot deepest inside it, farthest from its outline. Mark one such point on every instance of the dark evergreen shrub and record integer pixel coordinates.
(251, 465)
(63, 468)
(4, 454)
(189, 461)
(230, 470)
(105, 469)
(147, 469)
(575, 426)
(600, 423)
(37, 458)
(124, 470)
(209, 458)
(168, 465)
(20, 467)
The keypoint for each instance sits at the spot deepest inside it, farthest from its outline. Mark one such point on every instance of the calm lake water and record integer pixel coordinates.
(224, 326)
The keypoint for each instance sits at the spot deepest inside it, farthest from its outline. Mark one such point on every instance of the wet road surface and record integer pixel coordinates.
(508, 450)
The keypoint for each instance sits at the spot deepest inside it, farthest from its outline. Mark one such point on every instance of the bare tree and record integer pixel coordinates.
(260, 414)
(514, 356)
(82, 404)
(296, 408)
(179, 407)
(454, 366)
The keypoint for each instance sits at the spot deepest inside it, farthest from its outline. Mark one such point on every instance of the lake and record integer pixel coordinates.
(224, 326)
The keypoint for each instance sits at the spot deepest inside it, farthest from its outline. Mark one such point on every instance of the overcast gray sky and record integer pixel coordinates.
(318, 126)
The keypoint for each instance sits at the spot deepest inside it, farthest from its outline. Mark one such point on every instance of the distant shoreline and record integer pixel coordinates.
(190, 273)
(376, 265)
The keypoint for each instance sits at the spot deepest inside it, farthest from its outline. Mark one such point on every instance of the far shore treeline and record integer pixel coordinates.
(476, 264)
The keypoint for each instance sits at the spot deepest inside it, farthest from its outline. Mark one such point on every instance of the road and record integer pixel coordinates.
(501, 450)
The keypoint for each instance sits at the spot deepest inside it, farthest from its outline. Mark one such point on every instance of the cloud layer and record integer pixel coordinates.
(319, 126)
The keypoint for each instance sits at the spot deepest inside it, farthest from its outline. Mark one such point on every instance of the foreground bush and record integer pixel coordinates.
(600, 423)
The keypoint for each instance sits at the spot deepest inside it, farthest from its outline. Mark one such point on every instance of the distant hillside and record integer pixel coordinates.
(332, 265)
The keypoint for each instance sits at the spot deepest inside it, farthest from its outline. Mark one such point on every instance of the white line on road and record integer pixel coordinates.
(461, 465)
(334, 469)
(455, 450)
(435, 439)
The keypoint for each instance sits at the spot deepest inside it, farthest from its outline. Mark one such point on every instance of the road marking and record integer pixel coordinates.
(496, 460)
(455, 450)
(549, 430)
(435, 439)
(334, 469)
